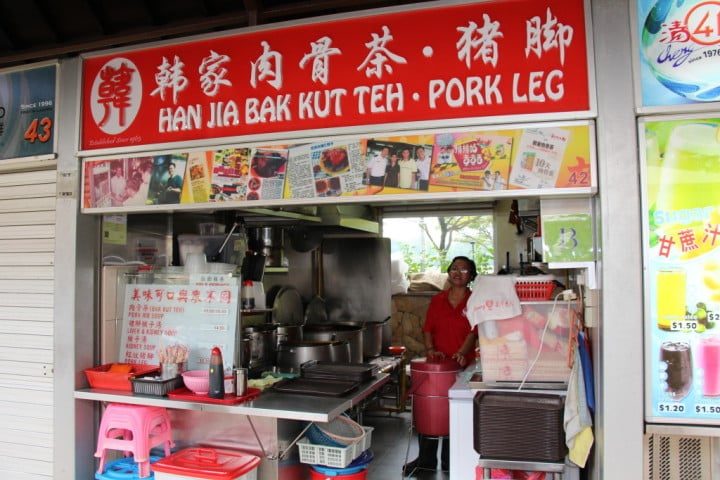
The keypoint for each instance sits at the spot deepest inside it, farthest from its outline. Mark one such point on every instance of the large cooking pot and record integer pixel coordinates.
(291, 355)
(430, 381)
(289, 332)
(263, 344)
(372, 336)
(338, 331)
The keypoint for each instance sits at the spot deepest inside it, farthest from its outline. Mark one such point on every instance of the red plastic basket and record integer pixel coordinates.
(100, 377)
(529, 290)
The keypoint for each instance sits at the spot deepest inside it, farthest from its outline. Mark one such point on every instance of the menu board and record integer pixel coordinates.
(682, 275)
(197, 317)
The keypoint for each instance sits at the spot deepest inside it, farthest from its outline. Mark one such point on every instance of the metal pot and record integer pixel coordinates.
(373, 335)
(263, 344)
(289, 332)
(291, 355)
(337, 331)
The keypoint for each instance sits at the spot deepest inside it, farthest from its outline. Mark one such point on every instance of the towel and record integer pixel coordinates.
(577, 420)
(493, 298)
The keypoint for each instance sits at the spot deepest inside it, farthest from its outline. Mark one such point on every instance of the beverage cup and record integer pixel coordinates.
(677, 357)
(671, 292)
(709, 361)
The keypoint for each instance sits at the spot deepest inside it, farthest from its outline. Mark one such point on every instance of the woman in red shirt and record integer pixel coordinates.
(447, 335)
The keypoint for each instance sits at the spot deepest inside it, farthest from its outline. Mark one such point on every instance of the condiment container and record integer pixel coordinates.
(247, 295)
(207, 463)
(216, 374)
(241, 378)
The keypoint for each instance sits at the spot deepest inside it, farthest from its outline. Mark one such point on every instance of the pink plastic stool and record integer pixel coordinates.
(134, 429)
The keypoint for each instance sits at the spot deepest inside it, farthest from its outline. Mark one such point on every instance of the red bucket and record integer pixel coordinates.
(430, 382)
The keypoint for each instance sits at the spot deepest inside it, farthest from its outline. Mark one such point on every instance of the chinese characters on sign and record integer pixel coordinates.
(482, 60)
(193, 315)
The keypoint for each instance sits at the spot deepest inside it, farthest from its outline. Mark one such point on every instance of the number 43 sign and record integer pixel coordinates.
(27, 112)
(568, 238)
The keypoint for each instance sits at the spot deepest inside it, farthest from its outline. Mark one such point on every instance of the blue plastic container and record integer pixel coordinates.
(360, 463)
(124, 469)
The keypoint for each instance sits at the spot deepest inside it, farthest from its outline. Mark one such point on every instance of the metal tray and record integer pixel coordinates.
(357, 372)
(306, 386)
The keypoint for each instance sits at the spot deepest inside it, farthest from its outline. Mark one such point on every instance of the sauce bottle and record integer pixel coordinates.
(247, 298)
(216, 374)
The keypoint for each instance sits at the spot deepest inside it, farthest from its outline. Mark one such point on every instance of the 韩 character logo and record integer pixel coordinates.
(116, 96)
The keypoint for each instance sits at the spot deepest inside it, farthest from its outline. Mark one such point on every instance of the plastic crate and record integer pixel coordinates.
(535, 288)
(337, 457)
(155, 385)
(100, 377)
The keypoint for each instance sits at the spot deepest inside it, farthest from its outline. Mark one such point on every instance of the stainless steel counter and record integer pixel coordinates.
(269, 404)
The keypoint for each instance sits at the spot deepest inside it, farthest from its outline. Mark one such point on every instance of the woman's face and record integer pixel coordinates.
(459, 273)
(406, 154)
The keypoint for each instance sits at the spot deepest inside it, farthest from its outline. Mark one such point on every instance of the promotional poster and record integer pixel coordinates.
(483, 160)
(682, 278)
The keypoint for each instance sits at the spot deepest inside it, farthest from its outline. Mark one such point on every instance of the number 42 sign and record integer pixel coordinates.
(568, 238)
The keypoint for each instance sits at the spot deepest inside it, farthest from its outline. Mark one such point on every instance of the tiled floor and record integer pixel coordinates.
(389, 445)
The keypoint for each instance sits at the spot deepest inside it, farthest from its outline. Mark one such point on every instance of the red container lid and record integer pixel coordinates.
(208, 463)
(424, 365)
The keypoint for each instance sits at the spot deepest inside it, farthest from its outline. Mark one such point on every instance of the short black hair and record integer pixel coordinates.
(473, 267)
(172, 164)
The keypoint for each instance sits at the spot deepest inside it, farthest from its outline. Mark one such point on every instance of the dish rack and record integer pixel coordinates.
(337, 457)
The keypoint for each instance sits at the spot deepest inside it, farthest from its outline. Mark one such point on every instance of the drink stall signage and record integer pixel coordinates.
(682, 259)
(568, 238)
(197, 317)
(486, 59)
(679, 45)
(27, 112)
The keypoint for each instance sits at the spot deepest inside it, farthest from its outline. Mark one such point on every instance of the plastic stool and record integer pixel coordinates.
(134, 429)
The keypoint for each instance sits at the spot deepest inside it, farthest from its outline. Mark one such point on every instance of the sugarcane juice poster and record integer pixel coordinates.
(198, 317)
(682, 238)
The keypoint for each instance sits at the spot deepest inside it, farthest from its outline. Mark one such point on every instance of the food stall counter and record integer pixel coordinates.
(269, 404)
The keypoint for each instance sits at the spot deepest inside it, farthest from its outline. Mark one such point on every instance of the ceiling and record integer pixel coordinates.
(33, 30)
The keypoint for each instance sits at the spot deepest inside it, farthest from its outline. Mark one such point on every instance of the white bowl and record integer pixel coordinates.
(197, 381)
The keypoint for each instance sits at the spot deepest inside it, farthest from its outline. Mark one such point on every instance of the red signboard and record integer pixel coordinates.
(498, 58)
